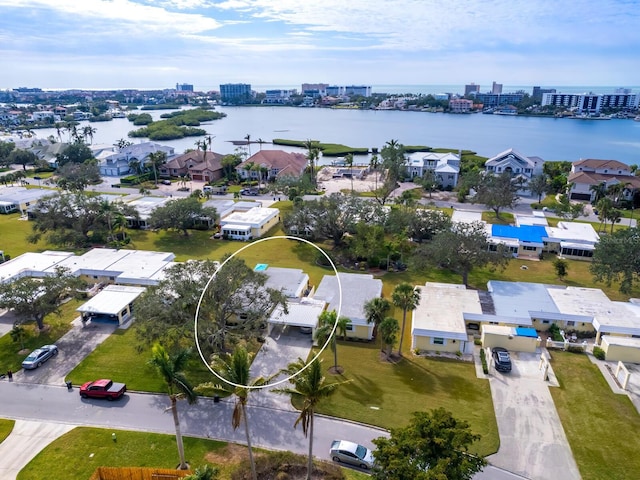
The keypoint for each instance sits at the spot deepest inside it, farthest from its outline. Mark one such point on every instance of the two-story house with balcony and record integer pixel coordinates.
(276, 162)
(445, 166)
(517, 165)
(588, 173)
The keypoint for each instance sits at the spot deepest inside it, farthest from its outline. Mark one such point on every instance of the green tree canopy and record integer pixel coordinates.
(33, 299)
(434, 446)
(461, 249)
(616, 258)
(76, 152)
(57, 219)
(182, 214)
(497, 192)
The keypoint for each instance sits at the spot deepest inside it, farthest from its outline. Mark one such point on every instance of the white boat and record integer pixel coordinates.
(637, 119)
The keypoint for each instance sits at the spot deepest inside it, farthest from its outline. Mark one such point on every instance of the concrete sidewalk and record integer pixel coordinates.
(26, 440)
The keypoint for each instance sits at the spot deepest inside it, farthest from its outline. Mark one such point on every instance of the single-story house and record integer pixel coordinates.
(347, 294)
(22, 198)
(292, 282)
(250, 224)
(438, 322)
(145, 206)
(31, 264)
(114, 304)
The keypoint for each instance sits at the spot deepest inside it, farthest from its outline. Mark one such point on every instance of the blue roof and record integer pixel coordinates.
(526, 332)
(524, 233)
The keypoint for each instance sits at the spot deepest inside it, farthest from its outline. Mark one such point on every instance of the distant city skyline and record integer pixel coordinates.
(154, 44)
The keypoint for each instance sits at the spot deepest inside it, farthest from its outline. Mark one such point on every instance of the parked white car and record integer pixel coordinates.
(343, 451)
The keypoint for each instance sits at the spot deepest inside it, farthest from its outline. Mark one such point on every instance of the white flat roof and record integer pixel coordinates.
(301, 314)
(95, 262)
(31, 264)
(621, 341)
(441, 308)
(111, 300)
(521, 299)
(466, 216)
(146, 205)
(254, 217)
(592, 302)
(291, 281)
(498, 329)
(357, 289)
(573, 231)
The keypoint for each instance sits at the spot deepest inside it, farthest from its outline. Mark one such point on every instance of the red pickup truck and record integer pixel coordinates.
(103, 388)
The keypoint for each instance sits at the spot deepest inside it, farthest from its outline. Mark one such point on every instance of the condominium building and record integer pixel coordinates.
(235, 92)
(314, 89)
(591, 102)
(184, 87)
(471, 89)
(460, 105)
(278, 96)
(495, 99)
(496, 88)
(538, 92)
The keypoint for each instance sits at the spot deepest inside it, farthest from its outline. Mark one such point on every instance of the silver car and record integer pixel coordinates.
(343, 451)
(39, 356)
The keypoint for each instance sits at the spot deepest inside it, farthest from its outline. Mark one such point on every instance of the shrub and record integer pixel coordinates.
(483, 359)
(598, 353)
(477, 341)
(554, 332)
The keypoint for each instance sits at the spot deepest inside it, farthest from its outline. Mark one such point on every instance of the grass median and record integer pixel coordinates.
(601, 426)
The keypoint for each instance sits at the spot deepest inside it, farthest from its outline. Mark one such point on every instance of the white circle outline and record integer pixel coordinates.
(333, 330)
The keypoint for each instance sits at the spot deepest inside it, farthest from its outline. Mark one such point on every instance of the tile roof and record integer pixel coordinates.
(594, 163)
(291, 163)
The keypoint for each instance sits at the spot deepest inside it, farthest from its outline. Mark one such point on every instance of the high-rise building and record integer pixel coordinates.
(471, 89)
(314, 89)
(538, 92)
(361, 90)
(235, 93)
(496, 88)
(184, 87)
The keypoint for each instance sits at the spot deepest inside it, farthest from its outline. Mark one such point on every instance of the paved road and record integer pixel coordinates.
(56, 409)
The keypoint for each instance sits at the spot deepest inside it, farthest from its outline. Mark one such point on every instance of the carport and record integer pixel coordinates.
(304, 314)
(114, 304)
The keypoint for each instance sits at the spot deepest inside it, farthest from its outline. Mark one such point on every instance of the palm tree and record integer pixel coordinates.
(260, 142)
(389, 333)
(171, 369)
(235, 368)
(248, 139)
(87, 132)
(374, 164)
(375, 310)
(325, 330)
(134, 165)
(156, 160)
(313, 153)
(59, 130)
(407, 298)
(348, 160)
(310, 387)
(599, 190)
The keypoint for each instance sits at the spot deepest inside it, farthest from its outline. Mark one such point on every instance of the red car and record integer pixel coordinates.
(103, 388)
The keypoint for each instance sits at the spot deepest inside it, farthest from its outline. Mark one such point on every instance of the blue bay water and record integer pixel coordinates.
(488, 135)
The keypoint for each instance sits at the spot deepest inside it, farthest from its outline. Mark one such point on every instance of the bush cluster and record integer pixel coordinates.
(483, 359)
(135, 179)
(598, 353)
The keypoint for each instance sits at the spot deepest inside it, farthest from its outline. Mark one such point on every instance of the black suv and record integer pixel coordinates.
(501, 359)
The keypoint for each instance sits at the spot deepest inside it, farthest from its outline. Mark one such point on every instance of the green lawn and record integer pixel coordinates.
(118, 357)
(505, 218)
(76, 455)
(384, 394)
(10, 356)
(6, 426)
(602, 427)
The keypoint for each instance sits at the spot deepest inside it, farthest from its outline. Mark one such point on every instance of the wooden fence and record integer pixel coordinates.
(138, 473)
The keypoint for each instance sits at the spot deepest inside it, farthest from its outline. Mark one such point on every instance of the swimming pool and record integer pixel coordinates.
(261, 267)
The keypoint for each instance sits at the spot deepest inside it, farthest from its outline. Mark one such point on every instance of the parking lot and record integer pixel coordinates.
(532, 440)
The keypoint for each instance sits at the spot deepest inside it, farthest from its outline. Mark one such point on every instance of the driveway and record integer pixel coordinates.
(282, 347)
(532, 440)
(73, 347)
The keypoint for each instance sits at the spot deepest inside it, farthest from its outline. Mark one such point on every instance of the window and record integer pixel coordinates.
(529, 249)
(437, 341)
(571, 323)
(546, 321)
(350, 327)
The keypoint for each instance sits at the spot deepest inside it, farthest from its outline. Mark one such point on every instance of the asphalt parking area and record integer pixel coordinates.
(73, 347)
(281, 347)
(532, 439)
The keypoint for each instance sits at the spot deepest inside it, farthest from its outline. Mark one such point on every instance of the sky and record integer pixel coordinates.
(154, 44)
